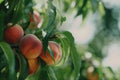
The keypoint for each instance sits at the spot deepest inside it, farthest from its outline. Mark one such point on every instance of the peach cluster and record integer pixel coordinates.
(31, 47)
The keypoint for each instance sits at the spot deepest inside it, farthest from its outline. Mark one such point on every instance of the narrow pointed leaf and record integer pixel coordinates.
(10, 58)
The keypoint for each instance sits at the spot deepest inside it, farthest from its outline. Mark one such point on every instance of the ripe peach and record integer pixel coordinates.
(56, 51)
(13, 33)
(34, 19)
(92, 76)
(33, 65)
(30, 46)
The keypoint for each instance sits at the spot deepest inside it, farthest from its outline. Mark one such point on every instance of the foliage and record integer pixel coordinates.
(74, 65)
(18, 12)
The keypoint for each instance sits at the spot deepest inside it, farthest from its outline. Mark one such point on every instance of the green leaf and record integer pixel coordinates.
(18, 11)
(68, 47)
(76, 60)
(39, 33)
(51, 74)
(51, 17)
(45, 43)
(23, 67)
(1, 1)
(10, 58)
(2, 16)
(74, 54)
(65, 44)
(51, 52)
(101, 8)
(47, 73)
(10, 10)
(69, 36)
(3, 61)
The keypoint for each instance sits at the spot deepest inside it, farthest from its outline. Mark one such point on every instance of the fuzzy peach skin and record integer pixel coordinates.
(13, 34)
(30, 46)
(56, 51)
(35, 17)
(33, 65)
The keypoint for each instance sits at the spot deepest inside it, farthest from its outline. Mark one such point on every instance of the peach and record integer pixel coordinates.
(92, 76)
(33, 65)
(30, 46)
(34, 19)
(56, 51)
(13, 33)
